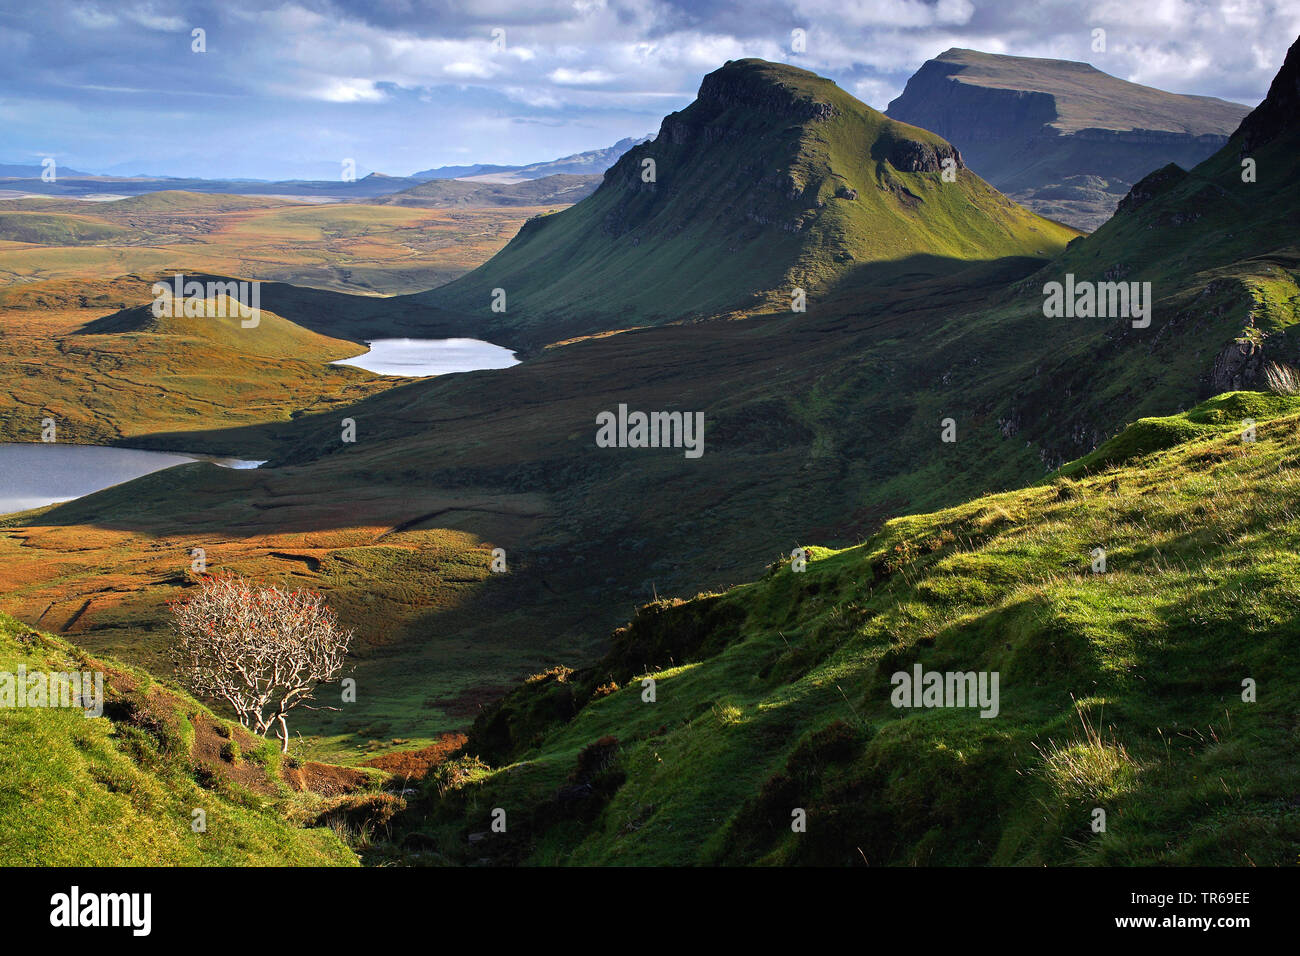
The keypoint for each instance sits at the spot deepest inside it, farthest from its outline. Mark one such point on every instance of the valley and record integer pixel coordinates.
(365, 249)
(909, 460)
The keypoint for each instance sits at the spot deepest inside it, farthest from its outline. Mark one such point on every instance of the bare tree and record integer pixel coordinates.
(261, 650)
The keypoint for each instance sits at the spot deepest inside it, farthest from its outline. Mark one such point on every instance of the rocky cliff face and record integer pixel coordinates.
(1062, 138)
(1280, 111)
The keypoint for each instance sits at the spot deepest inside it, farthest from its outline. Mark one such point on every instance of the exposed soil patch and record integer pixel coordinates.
(414, 764)
(325, 779)
(222, 750)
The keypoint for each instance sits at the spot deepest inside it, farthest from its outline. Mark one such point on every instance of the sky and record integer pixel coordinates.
(292, 90)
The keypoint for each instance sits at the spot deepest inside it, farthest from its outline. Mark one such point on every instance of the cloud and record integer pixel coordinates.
(92, 18)
(567, 77)
(410, 77)
(350, 91)
(146, 17)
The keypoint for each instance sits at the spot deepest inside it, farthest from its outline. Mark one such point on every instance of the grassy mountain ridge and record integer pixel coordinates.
(1221, 255)
(773, 178)
(122, 788)
(1120, 690)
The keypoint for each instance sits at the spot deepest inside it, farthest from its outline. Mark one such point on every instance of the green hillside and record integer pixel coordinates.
(773, 178)
(1223, 262)
(121, 789)
(109, 371)
(221, 324)
(560, 189)
(1119, 690)
(182, 201)
(57, 230)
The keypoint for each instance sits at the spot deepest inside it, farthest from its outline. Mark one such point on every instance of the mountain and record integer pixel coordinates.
(71, 183)
(774, 178)
(1218, 246)
(1119, 690)
(1060, 137)
(75, 186)
(561, 189)
(1121, 686)
(593, 162)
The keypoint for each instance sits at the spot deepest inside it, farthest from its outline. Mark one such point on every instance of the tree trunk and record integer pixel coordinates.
(283, 733)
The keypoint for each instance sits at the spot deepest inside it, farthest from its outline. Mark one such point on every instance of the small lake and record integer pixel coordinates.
(430, 356)
(36, 474)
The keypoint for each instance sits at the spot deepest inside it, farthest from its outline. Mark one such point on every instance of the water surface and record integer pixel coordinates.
(430, 356)
(36, 474)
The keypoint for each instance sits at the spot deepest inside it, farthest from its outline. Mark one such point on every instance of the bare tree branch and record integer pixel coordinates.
(263, 651)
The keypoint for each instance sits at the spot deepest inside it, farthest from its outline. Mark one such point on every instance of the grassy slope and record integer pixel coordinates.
(1224, 266)
(58, 230)
(121, 789)
(782, 204)
(127, 375)
(1119, 690)
(221, 325)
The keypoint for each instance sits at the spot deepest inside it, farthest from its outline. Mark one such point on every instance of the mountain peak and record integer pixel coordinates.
(752, 83)
(965, 57)
(773, 179)
(1280, 109)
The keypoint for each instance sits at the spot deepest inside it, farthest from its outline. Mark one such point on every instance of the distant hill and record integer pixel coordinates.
(1060, 137)
(26, 170)
(559, 189)
(175, 200)
(57, 230)
(774, 178)
(272, 337)
(592, 162)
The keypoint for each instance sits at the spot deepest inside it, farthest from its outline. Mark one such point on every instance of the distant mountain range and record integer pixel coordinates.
(33, 171)
(593, 162)
(25, 179)
(1063, 138)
